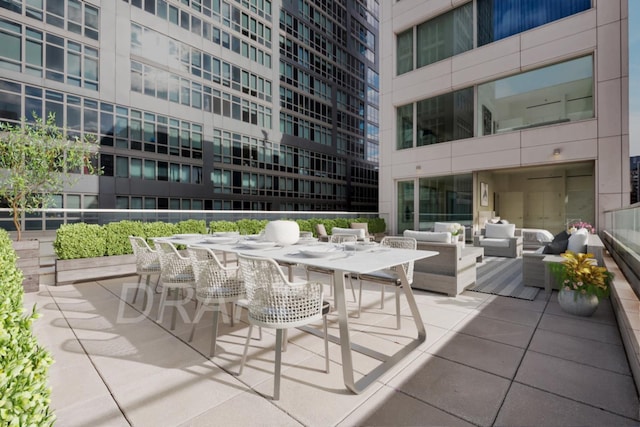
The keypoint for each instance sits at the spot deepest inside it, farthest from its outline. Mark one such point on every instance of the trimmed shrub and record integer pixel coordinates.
(24, 365)
(251, 226)
(222, 226)
(159, 229)
(192, 226)
(80, 240)
(117, 236)
(305, 225)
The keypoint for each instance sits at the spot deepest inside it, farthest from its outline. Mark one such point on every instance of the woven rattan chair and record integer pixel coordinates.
(276, 303)
(390, 277)
(147, 264)
(335, 239)
(176, 275)
(215, 286)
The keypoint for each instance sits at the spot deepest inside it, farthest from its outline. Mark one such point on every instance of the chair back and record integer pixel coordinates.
(273, 302)
(342, 238)
(174, 268)
(321, 231)
(402, 242)
(361, 225)
(146, 258)
(213, 280)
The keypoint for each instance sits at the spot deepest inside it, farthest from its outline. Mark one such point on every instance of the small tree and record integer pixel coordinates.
(37, 160)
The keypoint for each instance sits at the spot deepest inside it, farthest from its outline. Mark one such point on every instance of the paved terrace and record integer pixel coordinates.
(487, 361)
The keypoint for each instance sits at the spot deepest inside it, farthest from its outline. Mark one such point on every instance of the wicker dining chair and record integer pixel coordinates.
(334, 239)
(275, 302)
(147, 264)
(216, 285)
(176, 274)
(390, 276)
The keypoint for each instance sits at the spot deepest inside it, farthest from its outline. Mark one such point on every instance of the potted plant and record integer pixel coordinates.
(582, 283)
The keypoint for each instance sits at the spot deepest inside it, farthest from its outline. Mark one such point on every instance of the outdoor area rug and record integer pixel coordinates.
(502, 276)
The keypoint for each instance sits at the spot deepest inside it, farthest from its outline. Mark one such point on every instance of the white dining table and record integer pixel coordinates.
(342, 263)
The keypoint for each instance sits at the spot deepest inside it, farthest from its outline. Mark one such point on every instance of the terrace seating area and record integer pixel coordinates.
(487, 360)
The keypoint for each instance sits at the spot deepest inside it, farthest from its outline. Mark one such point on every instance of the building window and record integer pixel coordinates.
(499, 19)
(555, 94)
(445, 36)
(439, 38)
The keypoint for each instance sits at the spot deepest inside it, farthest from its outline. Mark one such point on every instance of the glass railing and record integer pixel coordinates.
(51, 219)
(621, 236)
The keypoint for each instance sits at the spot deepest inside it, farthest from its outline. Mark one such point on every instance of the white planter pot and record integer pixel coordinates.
(282, 232)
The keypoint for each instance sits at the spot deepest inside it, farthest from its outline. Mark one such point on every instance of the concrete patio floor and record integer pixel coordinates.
(487, 361)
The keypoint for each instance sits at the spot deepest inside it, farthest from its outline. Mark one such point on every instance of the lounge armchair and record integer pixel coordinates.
(499, 240)
(451, 271)
(533, 270)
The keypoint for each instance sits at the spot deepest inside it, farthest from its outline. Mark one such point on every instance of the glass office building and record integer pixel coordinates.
(204, 104)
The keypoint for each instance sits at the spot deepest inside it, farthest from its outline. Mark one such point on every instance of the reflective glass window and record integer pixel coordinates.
(555, 94)
(444, 36)
(404, 126)
(498, 19)
(447, 117)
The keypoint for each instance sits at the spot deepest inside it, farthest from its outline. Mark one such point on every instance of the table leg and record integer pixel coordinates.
(345, 341)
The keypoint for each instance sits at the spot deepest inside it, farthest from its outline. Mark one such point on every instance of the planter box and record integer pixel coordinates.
(28, 252)
(88, 269)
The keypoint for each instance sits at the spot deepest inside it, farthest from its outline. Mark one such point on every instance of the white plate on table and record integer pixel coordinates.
(362, 246)
(220, 239)
(187, 236)
(319, 251)
(306, 240)
(226, 234)
(257, 244)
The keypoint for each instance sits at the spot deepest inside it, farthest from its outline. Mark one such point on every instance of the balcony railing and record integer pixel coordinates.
(51, 219)
(622, 238)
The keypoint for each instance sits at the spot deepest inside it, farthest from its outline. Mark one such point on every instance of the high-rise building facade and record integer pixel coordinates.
(204, 104)
(524, 99)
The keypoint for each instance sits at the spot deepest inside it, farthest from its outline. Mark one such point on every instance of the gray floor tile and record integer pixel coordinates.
(100, 411)
(389, 407)
(245, 409)
(580, 327)
(604, 356)
(591, 386)
(527, 406)
(490, 356)
(496, 330)
(468, 393)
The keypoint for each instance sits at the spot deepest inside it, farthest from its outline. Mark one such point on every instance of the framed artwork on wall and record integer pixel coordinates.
(484, 194)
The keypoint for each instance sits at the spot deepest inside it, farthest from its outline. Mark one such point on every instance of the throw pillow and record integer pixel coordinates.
(556, 247)
(499, 231)
(358, 232)
(429, 236)
(563, 235)
(578, 241)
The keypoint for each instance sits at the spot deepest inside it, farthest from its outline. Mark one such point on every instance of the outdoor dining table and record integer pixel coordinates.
(342, 263)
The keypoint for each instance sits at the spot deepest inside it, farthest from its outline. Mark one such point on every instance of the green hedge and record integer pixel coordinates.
(90, 240)
(80, 241)
(24, 365)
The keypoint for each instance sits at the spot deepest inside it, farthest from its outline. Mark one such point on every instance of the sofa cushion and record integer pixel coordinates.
(563, 235)
(429, 236)
(500, 231)
(494, 243)
(358, 232)
(578, 241)
(442, 227)
(556, 247)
